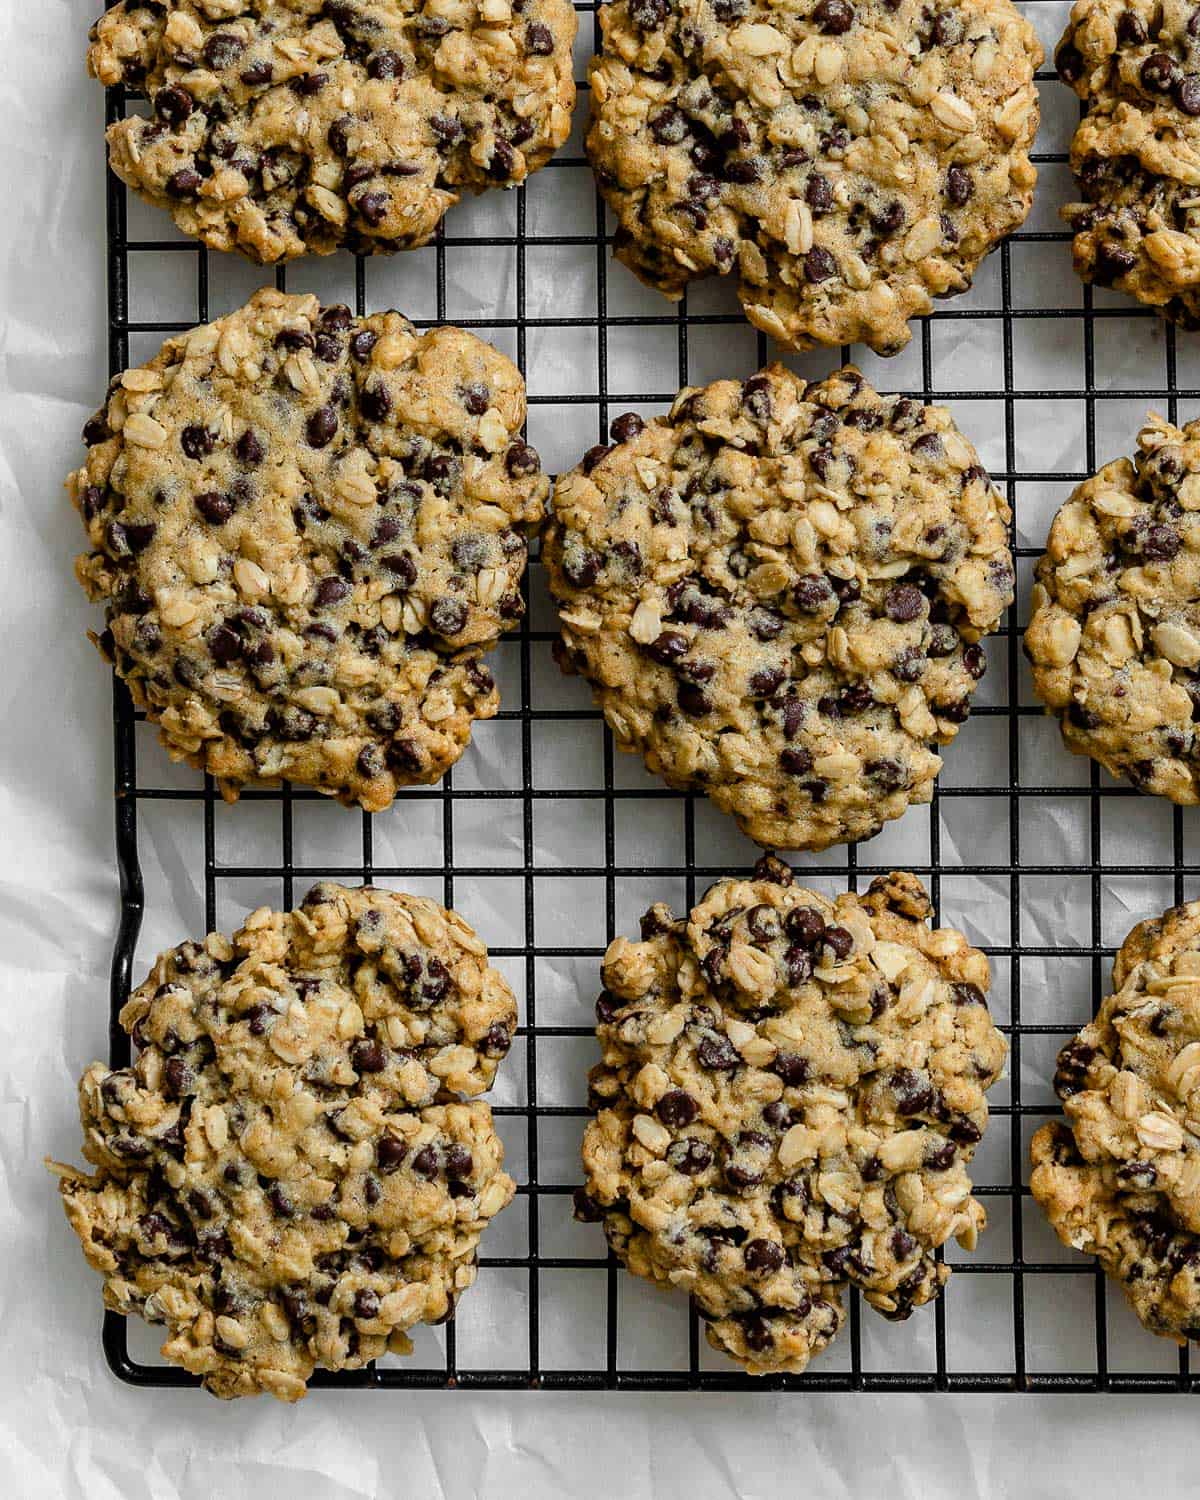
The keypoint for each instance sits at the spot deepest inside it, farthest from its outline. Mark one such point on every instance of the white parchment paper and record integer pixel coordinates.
(67, 1428)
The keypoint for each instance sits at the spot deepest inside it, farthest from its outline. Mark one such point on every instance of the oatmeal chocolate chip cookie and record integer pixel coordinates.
(778, 594)
(305, 529)
(274, 1182)
(1120, 1178)
(1114, 637)
(791, 1092)
(846, 162)
(291, 127)
(1136, 152)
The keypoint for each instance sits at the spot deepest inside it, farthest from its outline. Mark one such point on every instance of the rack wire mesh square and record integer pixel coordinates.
(1029, 349)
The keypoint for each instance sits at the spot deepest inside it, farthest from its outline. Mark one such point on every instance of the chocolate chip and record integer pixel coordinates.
(593, 456)
(739, 1176)
(196, 442)
(903, 1244)
(321, 427)
(376, 402)
(400, 564)
(889, 774)
(586, 1209)
(947, 29)
(447, 130)
(475, 398)
(222, 50)
(280, 1202)
(385, 64)
(626, 427)
(503, 159)
(178, 1077)
(457, 1162)
(1161, 543)
(765, 681)
(913, 1095)
(1112, 262)
(839, 940)
(690, 1156)
(974, 661)
(448, 616)
(373, 208)
(763, 1255)
(425, 1163)
(216, 509)
(497, 1040)
(96, 430)
(539, 40)
(795, 762)
(717, 1053)
(173, 105)
(1081, 717)
(812, 592)
(331, 590)
(903, 602)
(367, 1057)
(1130, 29)
(693, 700)
(799, 965)
(223, 645)
(1159, 73)
(833, 17)
(959, 186)
(648, 14)
(677, 1108)
(362, 344)
(366, 1303)
(667, 647)
(249, 449)
(581, 567)
(756, 397)
(791, 1069)
(805, 924)
(741, 173)
(762, 923)
(185, 183)
(339, 135)
(819, 195)
(403, 755)
(819, 265)
(887, 221)
(258, 72)
(521, 461)
(1069, 61)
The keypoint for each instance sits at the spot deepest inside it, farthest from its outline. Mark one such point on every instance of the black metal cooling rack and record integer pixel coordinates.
(1005, 1254)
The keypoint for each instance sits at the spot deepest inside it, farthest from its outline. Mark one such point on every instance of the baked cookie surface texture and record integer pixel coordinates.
(282, 128)
(778, 593)
(1114, 634)
(1120, 1177)
(1136, 152)
(847, 163)
(791, 1091)
(296, 1170)
(306, 529)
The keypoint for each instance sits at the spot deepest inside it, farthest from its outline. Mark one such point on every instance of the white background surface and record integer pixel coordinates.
(67, 1428)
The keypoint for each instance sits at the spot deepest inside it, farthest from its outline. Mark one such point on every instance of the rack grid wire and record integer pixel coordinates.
(1018, 1257)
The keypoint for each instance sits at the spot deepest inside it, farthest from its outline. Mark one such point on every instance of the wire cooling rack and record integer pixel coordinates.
(551, 844)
